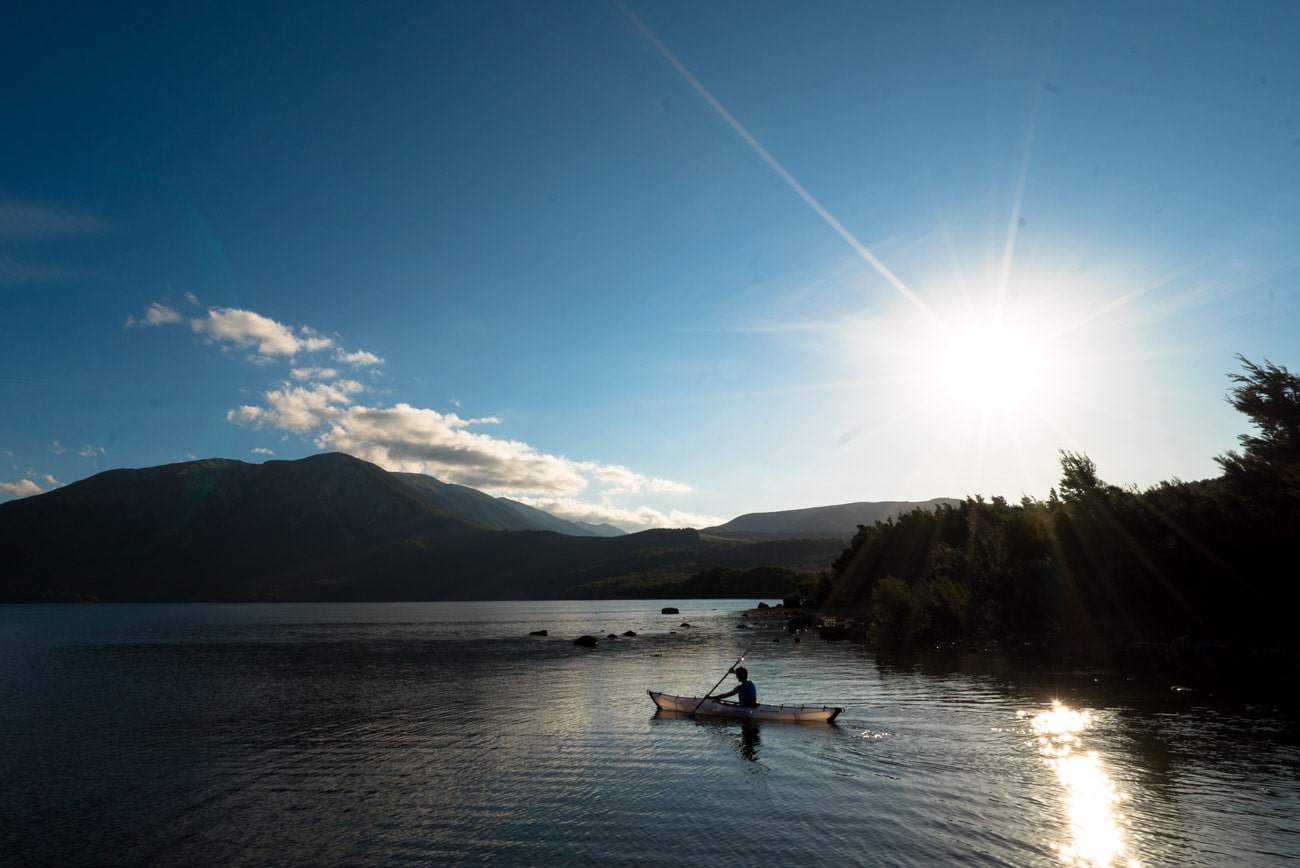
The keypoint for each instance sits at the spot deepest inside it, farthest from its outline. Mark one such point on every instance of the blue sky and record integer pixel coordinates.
(658, 264)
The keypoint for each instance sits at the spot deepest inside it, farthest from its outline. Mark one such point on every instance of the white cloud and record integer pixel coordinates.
(621, 480)
(359, 358)
(51, 481)
(259, 450)
(89, 451)
(156, 314)
(607, 512)
(57, 448)
(160, 314)
(21, 488)
(313, 373)
(192, 298)
(299, 408)
(417, 440)
(247, 415)
(245, 329)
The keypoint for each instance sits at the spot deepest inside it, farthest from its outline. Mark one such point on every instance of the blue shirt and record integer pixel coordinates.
(748, 693)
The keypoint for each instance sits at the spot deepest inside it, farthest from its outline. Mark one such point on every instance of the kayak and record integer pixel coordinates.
(718, 708)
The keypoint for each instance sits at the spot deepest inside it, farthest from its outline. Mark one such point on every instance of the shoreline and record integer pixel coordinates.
(1183, 665)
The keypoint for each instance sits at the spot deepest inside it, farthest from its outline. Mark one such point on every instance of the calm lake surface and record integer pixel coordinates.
(444, 733)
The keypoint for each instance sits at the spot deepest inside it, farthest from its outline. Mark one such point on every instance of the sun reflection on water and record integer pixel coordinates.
(1091, 800)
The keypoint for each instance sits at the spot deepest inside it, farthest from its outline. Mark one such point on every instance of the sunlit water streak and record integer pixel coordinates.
(1091, 799)
(446, 734)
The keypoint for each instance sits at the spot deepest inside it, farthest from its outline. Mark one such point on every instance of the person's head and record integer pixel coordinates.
(742, 673)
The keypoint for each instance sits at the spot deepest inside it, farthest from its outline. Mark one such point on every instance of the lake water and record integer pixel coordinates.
(443, 733)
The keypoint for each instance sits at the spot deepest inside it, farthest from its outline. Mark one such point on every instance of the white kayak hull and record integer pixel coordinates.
(717, 708)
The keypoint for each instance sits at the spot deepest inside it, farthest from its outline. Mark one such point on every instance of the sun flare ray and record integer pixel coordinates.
(775, 165)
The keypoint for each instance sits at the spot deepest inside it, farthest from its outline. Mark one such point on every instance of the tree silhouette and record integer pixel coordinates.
(1266, 472)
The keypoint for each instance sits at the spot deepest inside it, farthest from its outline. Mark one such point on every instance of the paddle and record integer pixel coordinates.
(723, 678)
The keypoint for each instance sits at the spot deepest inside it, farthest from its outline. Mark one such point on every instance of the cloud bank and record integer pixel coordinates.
(319, 403)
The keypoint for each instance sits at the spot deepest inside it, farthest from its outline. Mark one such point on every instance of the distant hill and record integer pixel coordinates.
(329, 527)
(830, 522)
(498, 513)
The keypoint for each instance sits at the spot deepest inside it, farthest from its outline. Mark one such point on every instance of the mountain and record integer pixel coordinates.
(219, 528)
(830, 522)
(497, 513)
(602, 529)
(328, 527)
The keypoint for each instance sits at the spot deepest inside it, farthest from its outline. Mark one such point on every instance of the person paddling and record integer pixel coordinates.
(748, 692)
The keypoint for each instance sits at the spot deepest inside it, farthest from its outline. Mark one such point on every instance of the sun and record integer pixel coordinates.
(991, 365)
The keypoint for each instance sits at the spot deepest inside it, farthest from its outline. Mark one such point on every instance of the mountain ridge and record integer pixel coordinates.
(838, 521)
(334, 527)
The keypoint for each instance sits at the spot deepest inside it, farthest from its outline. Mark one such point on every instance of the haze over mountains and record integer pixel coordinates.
(333, 527)
(498, 513)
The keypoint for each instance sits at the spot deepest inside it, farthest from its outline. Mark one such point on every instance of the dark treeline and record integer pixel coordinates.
(1209, 560)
